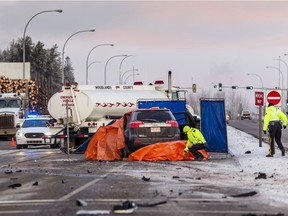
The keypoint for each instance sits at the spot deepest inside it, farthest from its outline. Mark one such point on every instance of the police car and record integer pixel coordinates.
(33, 132)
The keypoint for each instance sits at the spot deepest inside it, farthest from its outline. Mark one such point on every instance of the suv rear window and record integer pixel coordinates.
(161, 116)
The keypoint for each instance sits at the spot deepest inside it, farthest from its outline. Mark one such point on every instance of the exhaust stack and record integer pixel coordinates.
(170, 85)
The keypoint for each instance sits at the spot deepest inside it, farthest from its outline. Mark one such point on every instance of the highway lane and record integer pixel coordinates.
(252, 127)
(39, 181)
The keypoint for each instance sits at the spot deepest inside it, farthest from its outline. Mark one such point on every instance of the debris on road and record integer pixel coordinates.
(127, 207)
(250, 193)
(261, 176)
(8, 172)
(13, 186)
(145, 179)
(80, 202)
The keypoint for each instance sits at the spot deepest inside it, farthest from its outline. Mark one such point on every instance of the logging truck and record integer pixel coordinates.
(11, 113)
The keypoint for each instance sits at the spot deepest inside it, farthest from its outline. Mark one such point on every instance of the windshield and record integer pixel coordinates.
(35, 123)
(9, 103)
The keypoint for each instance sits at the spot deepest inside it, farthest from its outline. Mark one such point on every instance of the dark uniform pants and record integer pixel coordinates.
(275, 132)
(194, 150)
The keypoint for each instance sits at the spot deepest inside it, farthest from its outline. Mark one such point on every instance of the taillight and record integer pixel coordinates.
(172, 123)
(135, 124)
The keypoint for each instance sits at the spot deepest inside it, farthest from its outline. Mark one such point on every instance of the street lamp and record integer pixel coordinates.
(258, 77)
(24, 43)
(106, 66)
(127, 72)
(280, 72)
(88, 58)
(24, 35)
(120, 81)
(287, 73)
(130, 76)
(90, 65)
(91, 30)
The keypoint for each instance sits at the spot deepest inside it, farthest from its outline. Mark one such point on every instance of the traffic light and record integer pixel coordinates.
(249, 87)
(220, 86)
(194, 88)
(287, 103)
(235, 87)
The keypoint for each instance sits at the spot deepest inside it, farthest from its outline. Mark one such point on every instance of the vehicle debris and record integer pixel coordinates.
(261, 176)
(127, 207)
(145, 179)
(8, 172)
(13, 186)
(80, 202)
(250, 193)
(35, 183)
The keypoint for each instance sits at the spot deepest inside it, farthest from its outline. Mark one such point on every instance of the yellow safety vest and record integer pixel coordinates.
(273, 114)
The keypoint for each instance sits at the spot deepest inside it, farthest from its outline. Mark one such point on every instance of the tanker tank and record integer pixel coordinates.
(92, 103)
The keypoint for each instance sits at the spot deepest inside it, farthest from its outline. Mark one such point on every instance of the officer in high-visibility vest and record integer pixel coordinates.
(195, 142)
(274, 120)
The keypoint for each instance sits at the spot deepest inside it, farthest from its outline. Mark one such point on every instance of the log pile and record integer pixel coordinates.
(37, 97)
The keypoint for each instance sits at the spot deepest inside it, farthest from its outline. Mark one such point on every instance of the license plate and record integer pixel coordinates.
(155, 129)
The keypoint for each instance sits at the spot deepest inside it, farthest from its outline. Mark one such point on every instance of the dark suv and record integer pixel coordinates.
(148, 126)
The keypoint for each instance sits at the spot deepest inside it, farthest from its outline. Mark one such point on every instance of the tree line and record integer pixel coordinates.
(45, 63)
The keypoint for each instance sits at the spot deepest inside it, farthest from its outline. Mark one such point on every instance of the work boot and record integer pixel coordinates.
(269, 155)
(283, 152)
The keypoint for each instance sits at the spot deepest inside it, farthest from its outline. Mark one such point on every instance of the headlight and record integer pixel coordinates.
(47, 133)
(20, 134)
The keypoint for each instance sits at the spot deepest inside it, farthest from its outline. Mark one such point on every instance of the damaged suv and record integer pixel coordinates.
(148, 126)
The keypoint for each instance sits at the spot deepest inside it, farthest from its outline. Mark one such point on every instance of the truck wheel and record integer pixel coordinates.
(53, 146)
(18, 146)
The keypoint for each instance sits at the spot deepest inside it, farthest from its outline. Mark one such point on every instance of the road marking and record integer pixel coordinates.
(67, 196)
(19, 212)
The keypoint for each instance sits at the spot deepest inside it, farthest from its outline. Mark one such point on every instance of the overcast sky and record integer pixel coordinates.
(199, 41)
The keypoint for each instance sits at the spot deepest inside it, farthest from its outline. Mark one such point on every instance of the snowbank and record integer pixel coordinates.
(269, 176)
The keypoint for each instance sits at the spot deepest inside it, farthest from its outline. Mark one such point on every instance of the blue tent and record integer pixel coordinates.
(213, 124)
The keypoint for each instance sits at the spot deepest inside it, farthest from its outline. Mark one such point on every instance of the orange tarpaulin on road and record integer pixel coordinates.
(107, 143)
(172, 151)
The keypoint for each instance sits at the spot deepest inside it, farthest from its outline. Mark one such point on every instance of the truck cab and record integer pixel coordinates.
(11, 113)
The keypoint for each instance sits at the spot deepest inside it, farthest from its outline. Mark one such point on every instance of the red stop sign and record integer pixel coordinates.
(274, 97)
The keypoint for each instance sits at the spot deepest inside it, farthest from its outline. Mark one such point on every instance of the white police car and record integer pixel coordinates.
(32, 133)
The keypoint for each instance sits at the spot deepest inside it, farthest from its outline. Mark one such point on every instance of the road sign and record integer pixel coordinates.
(259, 98)
(274, 97)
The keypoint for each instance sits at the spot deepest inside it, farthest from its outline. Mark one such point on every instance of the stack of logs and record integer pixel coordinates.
(37, 97)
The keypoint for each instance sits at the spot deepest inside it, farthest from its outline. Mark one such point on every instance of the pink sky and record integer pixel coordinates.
(199, 41)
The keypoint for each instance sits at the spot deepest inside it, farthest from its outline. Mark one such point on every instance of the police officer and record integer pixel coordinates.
(195, 142)
(274, 120)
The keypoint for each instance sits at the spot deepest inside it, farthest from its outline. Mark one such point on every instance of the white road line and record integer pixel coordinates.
(20, 212)
(89, 184)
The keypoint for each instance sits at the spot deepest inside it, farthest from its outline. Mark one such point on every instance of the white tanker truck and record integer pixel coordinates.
(87, 107)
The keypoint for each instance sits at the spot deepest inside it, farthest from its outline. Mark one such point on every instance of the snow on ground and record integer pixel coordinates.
(275, 186)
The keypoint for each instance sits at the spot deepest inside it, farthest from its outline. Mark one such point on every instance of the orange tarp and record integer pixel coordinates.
(107, 143)
(172, 151)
